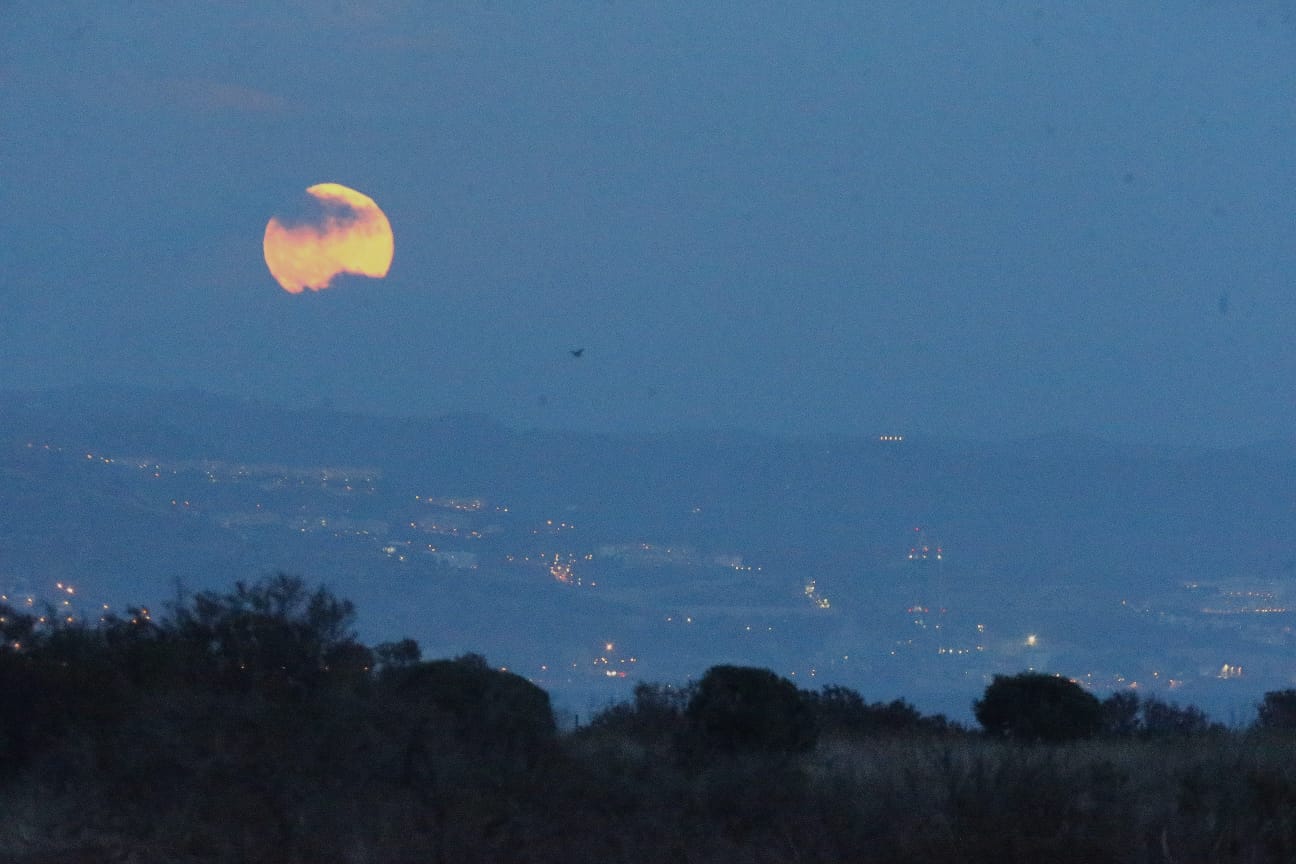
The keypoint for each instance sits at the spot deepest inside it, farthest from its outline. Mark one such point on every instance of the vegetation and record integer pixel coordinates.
(1278, 711)
(253, 727)
(1033, 706)
(739, 709)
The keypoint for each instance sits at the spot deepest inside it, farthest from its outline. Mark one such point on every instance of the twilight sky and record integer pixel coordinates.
(983, 219)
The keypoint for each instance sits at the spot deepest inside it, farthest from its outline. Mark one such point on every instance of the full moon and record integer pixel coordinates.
(346, 233)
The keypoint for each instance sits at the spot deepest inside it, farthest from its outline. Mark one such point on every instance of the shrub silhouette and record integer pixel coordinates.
(656, 712)
(1032, 706)
(59, 682)
(1168, 719)
(842, 711)
(745, 709)
(273, 633)
(495, 716)
(1125, 715)
(398, 655)
(1277, 711)
(273, 637)
(1120, 714)
(144, 740)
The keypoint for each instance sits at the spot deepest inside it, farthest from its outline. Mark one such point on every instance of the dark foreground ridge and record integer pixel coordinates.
(253, 726)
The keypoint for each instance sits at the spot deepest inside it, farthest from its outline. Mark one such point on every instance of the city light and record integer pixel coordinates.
(542, 551)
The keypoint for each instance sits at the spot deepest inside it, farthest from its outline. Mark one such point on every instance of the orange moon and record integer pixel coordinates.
(348, 233)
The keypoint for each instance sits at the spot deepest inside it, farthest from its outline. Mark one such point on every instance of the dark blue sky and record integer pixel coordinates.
(982, 219)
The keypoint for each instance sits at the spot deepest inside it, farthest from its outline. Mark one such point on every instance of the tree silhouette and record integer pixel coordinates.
(1120, 714)
(746, 709)
(655, 713)
(1032, 706)
(1277, 711)
(501, 719)
(1162, 719)
(271, 633)
(842, 711)
(398, 655)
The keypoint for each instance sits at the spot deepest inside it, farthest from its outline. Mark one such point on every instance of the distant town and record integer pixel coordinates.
(612, 605)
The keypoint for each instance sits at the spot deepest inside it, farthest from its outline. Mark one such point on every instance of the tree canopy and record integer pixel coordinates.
(743, 708)
(1032, 706)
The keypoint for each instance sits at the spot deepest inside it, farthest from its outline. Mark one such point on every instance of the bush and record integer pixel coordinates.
(493, 715)
(1032, 706)
(656, 712)
(272, 634)
(1120, 714)
(1170, 719)
(398, 655)
(1277, 711)
(1125, 715)
(60, 681)
(842, 711)
(135, 755)
(744, 709)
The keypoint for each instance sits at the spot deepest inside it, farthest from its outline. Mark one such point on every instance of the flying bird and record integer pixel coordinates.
(576, 352)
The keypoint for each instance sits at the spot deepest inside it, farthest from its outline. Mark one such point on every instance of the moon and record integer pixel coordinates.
(346, 232)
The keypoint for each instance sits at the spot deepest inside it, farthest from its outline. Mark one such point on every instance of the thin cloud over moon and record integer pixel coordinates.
(344, 232)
